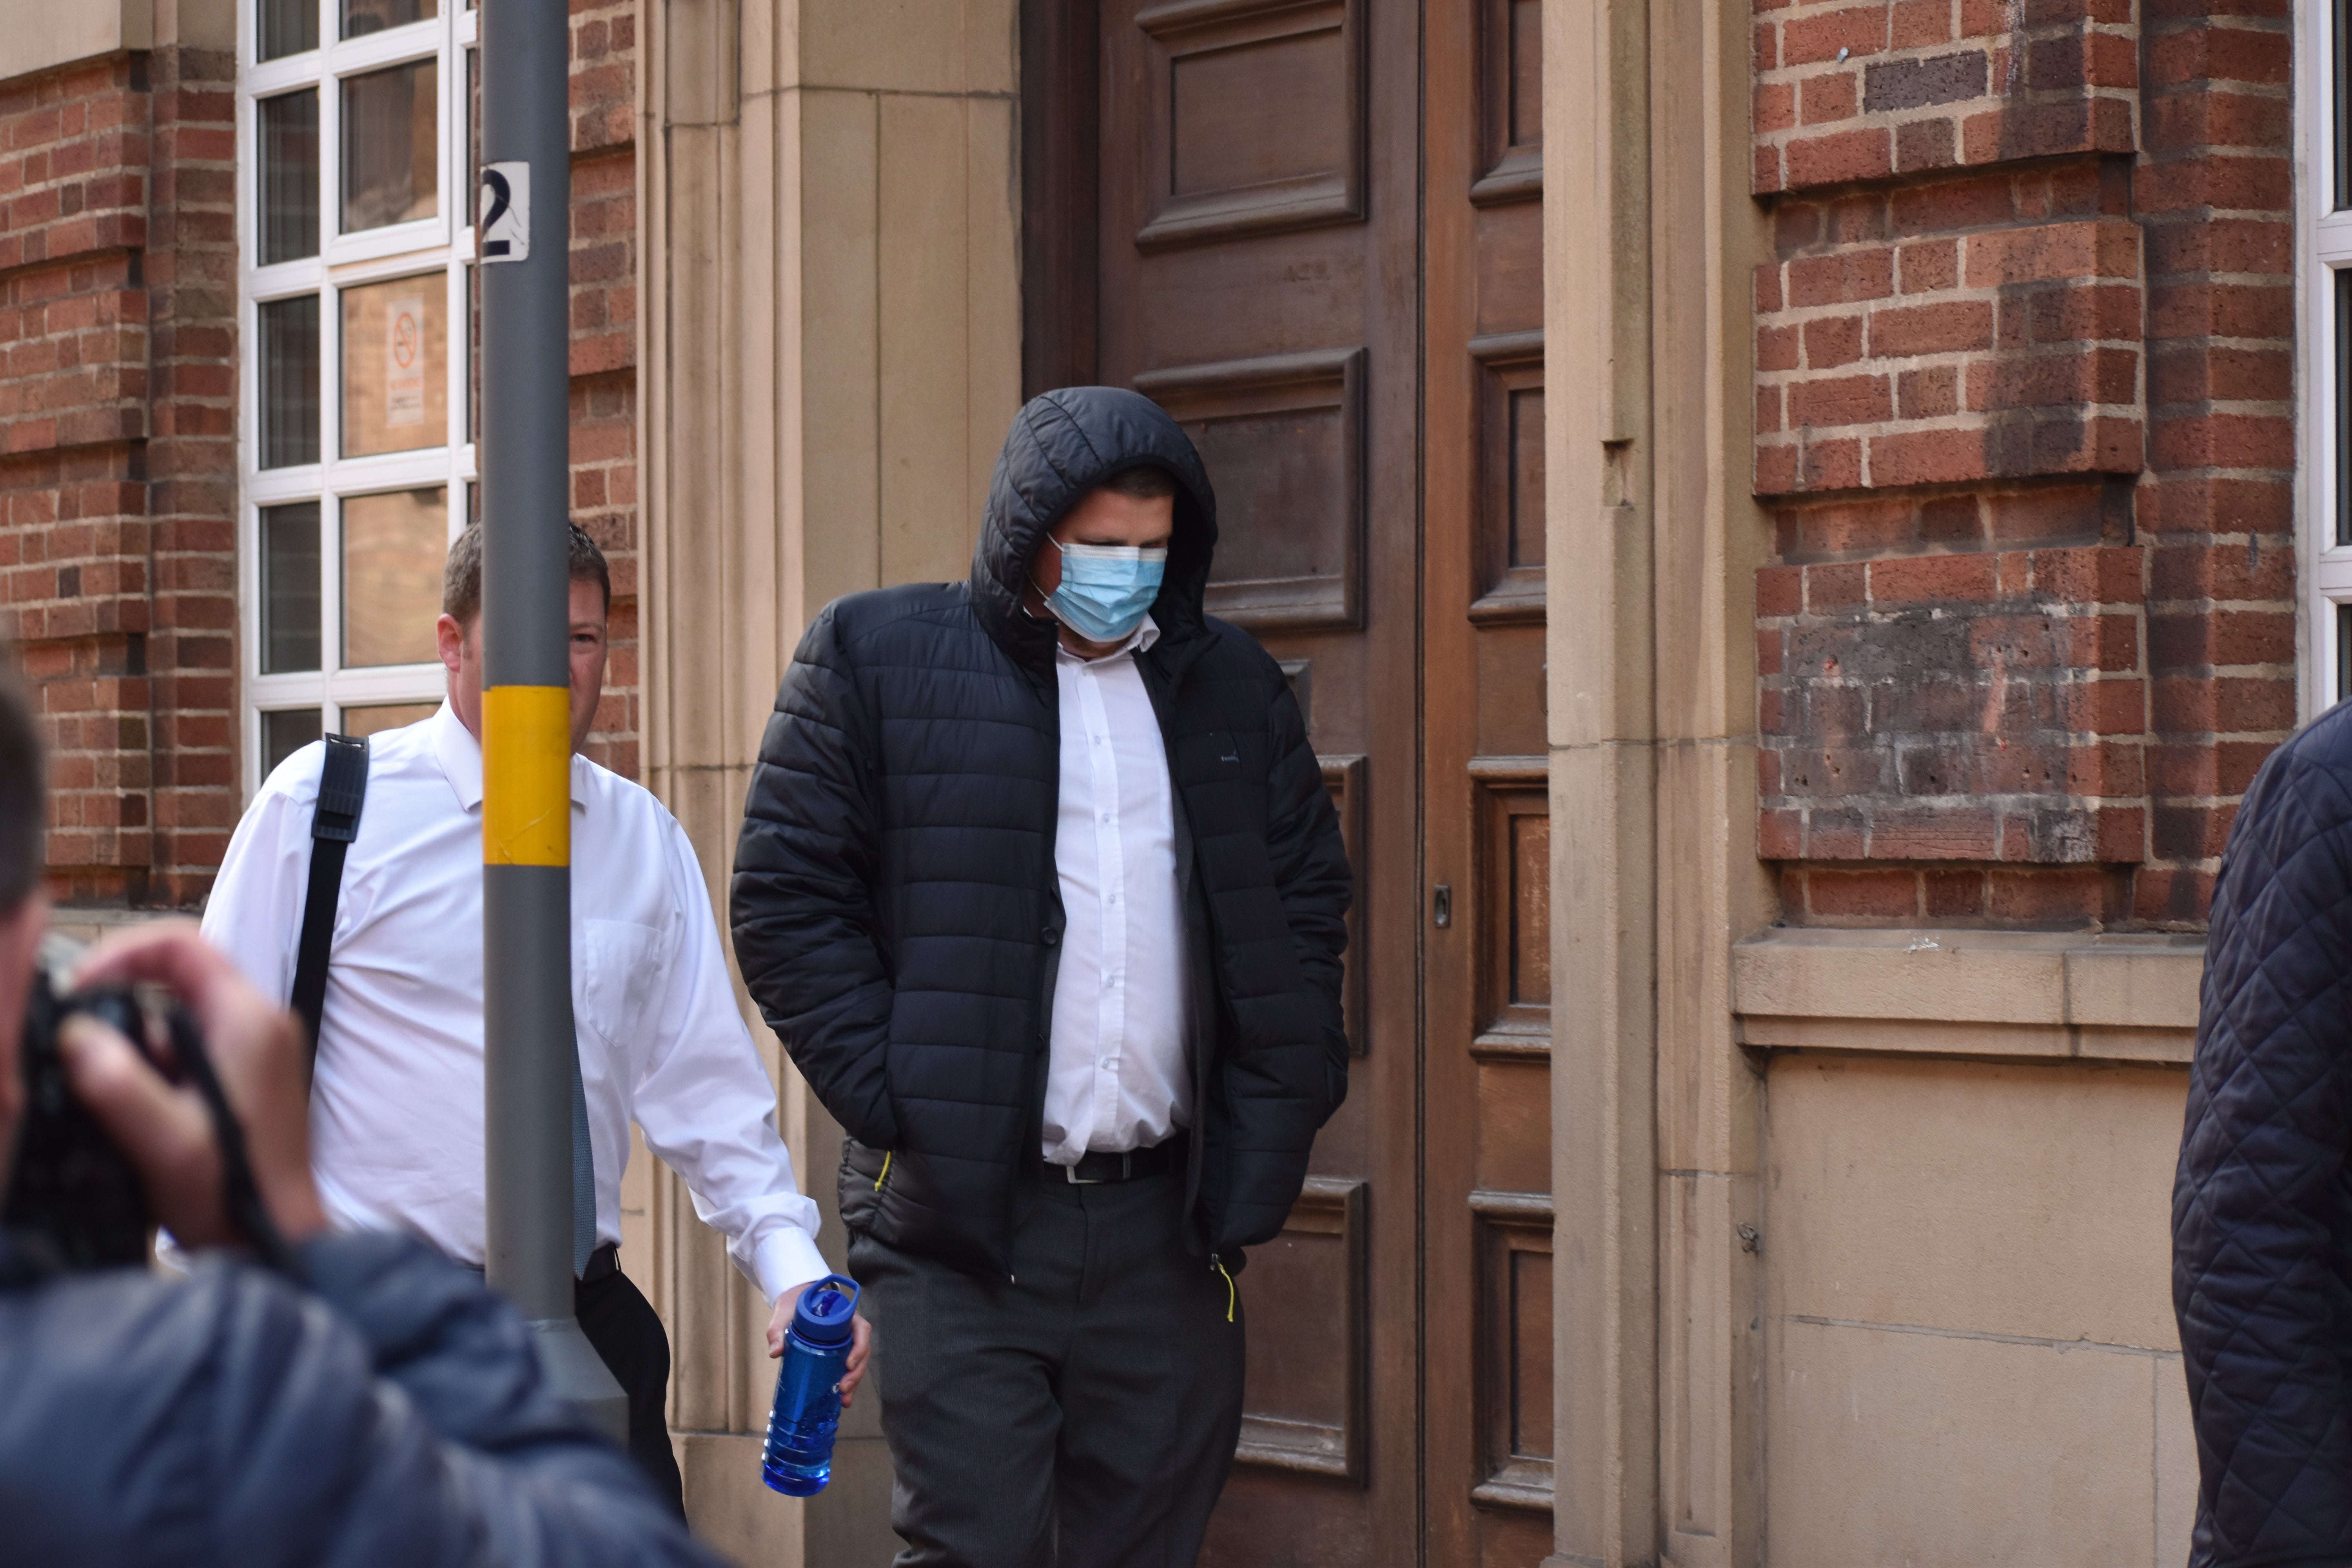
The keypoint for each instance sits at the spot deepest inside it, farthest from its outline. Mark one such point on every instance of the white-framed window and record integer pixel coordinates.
(2324, 306)
(355, 450)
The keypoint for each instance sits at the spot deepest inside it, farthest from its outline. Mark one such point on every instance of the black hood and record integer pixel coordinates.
(1061, 445)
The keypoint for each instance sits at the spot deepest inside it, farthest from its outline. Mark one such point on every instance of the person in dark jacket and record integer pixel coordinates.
(1040, 885)
(2261, 1208)
(382, 1409)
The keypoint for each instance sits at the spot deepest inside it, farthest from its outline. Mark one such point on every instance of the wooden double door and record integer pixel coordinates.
(1312, 230)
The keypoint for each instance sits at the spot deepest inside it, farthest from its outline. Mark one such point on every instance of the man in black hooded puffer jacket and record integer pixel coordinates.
(2262, 1209)
(1054, 1288)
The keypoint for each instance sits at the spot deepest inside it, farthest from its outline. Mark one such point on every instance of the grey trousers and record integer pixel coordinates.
(1082, 1415)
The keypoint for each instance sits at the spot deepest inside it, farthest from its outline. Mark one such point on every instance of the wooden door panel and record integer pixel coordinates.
(1510, 100)
(1282, 435)
(1515, 879)
(1253, 121)
(1509, 582)
(1515, 1350)
(1305, 1409)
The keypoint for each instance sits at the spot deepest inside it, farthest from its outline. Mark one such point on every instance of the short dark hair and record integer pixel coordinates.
(461, 577)
(24, 803)
(1148, 481)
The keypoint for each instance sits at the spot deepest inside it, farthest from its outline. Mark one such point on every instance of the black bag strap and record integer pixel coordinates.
(342, 791)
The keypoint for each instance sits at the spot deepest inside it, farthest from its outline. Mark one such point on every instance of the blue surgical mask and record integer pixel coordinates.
(1106, 588)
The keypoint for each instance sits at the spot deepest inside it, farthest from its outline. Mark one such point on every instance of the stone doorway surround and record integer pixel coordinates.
(831, 354)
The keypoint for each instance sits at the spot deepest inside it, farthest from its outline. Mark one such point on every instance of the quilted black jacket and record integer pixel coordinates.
(2262, 1209)
(390, 1416)
(896, 910)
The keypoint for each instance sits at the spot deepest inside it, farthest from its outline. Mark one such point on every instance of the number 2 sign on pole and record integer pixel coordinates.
(506, 212)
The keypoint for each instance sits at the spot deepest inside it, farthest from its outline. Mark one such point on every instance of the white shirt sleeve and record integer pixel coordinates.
(255, 912)
(707, 1105)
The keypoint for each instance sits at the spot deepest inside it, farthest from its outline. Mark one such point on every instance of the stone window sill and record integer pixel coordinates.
(2017, 994)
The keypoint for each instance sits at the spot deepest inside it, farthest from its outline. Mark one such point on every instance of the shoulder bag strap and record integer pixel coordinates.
(342, 790)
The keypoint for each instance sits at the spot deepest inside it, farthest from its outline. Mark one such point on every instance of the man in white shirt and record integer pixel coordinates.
(396, 1106)
(1040, 883)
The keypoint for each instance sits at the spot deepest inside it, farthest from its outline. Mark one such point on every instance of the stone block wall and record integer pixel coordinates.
(2023, 377)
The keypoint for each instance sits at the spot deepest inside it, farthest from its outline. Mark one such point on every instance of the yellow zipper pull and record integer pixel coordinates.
(1219, 1265)
(886, 1170)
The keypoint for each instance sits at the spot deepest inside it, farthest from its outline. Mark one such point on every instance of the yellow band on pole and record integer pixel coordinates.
(526, 775)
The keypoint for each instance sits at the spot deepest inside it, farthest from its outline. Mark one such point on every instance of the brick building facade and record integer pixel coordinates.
(119, 356)
(2024, 379)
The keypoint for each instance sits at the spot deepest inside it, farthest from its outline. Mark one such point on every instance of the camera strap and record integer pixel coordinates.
(342, 791)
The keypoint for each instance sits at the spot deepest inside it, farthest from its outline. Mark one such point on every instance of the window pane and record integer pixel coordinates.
(290, 382)
(396, 378)
(289, 587)
(474, 352)
(362, 17)
(2343, 369)
(289, 176)
(473, 130)
(391, 146)
(2343, 652)
(289, 26)
(2340, 83)
(393, 549)
(376, 717)
(285, 732)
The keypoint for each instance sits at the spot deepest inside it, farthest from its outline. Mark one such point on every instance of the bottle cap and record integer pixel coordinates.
(826, 1307)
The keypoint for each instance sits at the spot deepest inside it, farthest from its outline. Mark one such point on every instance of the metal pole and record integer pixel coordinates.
(526, 712)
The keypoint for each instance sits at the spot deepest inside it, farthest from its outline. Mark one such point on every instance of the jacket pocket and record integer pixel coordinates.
(864, 1172)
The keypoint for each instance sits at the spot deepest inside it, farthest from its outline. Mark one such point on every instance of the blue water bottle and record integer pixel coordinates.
(798, 1459)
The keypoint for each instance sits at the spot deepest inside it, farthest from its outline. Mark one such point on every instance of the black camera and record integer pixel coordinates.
(73, 1198)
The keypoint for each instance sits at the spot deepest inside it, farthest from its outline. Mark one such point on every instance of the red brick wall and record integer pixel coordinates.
(605, 341)
(2022, 370)
(117, 314)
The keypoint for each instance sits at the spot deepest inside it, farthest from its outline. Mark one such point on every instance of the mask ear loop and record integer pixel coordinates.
(1044, 596)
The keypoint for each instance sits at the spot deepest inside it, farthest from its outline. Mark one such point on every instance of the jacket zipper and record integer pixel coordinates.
(885, 1175)
(1218, 1264)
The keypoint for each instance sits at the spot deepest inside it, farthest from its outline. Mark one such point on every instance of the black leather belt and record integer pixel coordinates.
(1096, 1168)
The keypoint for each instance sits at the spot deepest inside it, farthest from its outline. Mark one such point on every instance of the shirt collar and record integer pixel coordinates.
(460, 756)
(1137, 641)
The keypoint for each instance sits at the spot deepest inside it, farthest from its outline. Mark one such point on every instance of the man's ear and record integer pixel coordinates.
(449, 641)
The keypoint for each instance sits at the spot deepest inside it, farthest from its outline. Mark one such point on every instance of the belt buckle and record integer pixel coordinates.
(1071, 1172)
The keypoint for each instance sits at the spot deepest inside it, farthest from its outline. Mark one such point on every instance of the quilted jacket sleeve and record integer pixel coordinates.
(2260, 1218)
(803, 904)
(1310, 867)
(393, 1414)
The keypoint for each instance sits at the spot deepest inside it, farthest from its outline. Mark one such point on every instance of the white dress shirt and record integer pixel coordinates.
(1117, 1077)
(396, 1114)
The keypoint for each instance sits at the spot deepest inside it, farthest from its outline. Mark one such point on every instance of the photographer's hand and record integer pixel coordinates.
(256, 1050)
